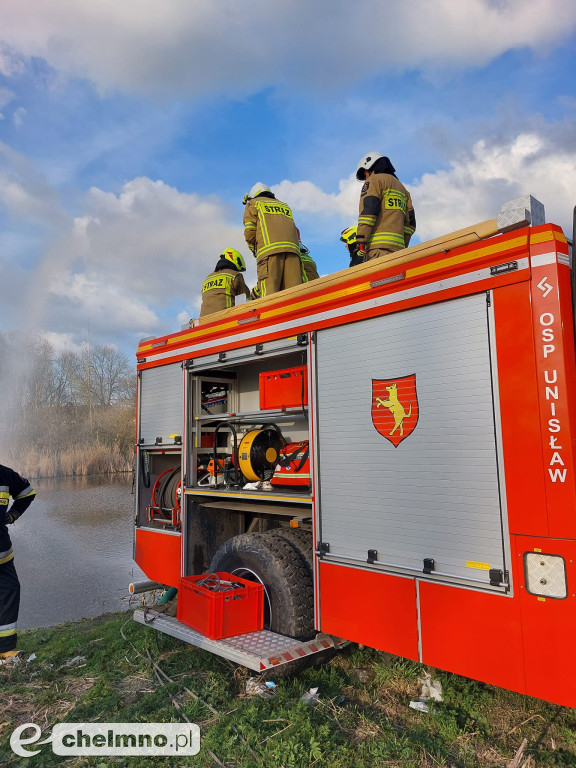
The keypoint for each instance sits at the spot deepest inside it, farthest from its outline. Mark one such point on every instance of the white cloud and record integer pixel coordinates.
(18, 116)
(102, 304)
(10, 63)
(472, 189)
(131, 265)
(61, 342)
(199, 46)
(306, 196)
(476, 184)
(154, 241)
(6, 96)
(25, 193)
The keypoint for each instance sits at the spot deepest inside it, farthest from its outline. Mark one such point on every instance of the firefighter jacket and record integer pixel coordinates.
(220, 288)
(309, 269)
(269, 227)
(387, 218)
(12, 485)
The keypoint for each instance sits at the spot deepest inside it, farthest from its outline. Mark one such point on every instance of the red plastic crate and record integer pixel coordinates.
(283, 389)
(220, 614)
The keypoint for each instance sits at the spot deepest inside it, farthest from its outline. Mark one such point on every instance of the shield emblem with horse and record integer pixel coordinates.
(395, 407)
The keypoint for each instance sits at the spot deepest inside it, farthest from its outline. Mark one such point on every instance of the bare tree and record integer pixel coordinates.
(38, 382)
(110, 371)
(101, 376)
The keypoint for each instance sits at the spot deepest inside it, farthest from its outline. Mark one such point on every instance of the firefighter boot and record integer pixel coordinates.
(10, 657)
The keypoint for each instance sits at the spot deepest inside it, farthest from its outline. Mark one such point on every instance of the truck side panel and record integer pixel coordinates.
(473, 634)
(158, 554)
(375, 609)
(548, 624)
(556, 378)
(517, 383)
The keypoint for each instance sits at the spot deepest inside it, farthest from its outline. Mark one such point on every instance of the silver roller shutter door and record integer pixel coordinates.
(161, 403)
(436, 495)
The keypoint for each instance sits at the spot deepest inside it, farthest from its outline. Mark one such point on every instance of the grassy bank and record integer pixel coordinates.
(362, 720)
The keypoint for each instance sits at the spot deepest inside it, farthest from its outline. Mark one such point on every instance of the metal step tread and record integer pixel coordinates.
(257, 650)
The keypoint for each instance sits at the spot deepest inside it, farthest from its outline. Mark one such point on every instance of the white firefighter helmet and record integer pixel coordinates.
(366, 162)
(234, 257)
(256, 190)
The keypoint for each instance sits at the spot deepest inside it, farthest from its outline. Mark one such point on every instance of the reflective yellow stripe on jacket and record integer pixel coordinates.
(385, 239)
(6, 556)
(286, 246)
(28, 491)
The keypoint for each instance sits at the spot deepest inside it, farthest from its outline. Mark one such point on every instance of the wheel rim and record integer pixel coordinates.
(249, 575)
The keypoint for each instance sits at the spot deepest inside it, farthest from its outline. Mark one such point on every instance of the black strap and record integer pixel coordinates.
(292, 457)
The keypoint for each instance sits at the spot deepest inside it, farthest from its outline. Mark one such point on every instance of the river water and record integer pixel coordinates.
(73, 549)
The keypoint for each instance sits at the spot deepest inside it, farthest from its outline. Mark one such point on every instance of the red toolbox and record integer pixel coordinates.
(284, 389)
(235, 610)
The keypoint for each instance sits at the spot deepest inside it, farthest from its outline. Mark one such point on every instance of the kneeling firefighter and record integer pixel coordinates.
(348, 237)
(226, 282)
(309, 268)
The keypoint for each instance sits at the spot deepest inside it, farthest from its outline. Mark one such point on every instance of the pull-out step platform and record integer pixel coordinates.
(258, 651)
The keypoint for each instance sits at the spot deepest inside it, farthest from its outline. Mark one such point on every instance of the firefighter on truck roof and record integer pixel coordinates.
(11, 485)
(221, 286)
(348, 237)
(309, 268)
(272, 237)
(387, 220)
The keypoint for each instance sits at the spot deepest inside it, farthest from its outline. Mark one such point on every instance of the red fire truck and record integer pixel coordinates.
(388, 450)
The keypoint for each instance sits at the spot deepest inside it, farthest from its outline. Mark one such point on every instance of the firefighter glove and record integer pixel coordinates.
(9, 518)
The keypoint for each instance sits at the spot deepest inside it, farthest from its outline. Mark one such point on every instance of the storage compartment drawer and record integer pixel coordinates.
(287, 388)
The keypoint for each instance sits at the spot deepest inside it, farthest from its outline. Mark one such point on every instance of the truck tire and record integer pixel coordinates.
(301, 540)
(272, 561)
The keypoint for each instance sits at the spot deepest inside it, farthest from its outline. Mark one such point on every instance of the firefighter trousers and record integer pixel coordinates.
(375, 253)
(278, 272)
(9, 605)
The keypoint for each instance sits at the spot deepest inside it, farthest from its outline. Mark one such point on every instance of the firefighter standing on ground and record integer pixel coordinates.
(386, 221)
(11, 485)
(226, 282)
(272, 237)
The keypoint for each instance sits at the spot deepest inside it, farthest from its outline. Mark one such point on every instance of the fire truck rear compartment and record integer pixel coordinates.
(229, 528)
(222, 395)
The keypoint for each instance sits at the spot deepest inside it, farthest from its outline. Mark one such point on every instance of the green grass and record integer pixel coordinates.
(355, 725)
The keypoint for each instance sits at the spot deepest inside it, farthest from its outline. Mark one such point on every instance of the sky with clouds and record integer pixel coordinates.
(130, 131)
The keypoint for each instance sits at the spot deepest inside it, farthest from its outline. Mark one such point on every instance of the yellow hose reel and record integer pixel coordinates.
(258, 453)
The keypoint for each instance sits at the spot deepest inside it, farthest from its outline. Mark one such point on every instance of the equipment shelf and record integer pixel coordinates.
(258, 417)
(248, 494)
